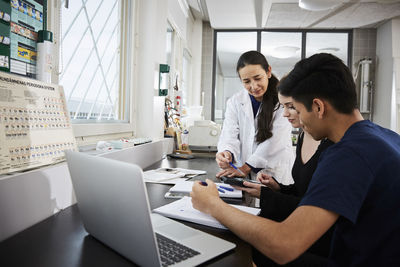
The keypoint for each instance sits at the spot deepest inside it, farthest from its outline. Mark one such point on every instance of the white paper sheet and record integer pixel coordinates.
(186, 187)
(183, 210)
(170, 175)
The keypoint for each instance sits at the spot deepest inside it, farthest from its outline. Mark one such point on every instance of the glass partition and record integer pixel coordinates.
(230, 45)
(328, 42)
(282, 50)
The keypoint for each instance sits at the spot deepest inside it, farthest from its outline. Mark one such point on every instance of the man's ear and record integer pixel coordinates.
(319, 107)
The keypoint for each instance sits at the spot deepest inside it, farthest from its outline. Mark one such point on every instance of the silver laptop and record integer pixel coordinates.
(112, 200)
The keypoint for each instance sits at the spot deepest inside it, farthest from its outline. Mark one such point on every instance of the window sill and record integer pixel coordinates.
(101, 128)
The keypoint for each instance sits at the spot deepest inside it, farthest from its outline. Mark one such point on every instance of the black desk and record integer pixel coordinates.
(62, 241)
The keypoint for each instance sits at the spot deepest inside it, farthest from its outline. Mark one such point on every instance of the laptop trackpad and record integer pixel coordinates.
(176, 231)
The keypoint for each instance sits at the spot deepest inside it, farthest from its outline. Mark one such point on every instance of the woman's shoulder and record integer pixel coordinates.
(240, 96)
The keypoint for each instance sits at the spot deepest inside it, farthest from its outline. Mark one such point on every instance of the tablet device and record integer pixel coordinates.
(237, 181)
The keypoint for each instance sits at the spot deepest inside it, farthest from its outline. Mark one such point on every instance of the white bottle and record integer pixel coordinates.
(44, 61)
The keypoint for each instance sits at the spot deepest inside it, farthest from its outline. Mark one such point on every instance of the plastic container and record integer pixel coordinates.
(185, 140)
(44, 61)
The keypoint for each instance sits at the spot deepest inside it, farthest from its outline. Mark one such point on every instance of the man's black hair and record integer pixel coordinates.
(321, 76)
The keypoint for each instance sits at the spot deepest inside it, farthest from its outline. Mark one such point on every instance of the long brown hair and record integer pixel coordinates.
(270, 98)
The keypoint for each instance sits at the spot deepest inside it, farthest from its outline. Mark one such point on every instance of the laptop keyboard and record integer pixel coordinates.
(172, 252)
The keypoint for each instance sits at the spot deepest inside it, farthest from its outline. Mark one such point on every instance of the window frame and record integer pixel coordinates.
(127, 73)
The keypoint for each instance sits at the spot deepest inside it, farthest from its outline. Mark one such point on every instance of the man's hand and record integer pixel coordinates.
(205, 197)
(252, 189)
(267, 180)
(223, 158)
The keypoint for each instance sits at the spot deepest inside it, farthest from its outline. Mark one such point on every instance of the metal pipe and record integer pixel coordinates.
(365, 86)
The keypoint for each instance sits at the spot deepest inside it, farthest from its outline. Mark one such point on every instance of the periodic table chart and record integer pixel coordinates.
(35, 128)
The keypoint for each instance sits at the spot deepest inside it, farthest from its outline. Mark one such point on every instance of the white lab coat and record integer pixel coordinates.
(238, 136)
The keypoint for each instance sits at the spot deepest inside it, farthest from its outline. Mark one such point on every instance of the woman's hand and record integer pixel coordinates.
(252, 189)
(231, 172)
(223, 158)
(267, 180)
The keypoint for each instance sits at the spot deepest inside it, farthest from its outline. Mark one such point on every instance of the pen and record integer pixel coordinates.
(219, 189)
(226, 188)
(233, 166)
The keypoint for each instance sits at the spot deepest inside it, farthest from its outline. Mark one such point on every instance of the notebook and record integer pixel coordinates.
(112, 200)
(183, 210)
(170, 175)
(185, 187)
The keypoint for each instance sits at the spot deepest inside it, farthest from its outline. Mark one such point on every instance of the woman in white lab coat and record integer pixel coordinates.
(255, 135)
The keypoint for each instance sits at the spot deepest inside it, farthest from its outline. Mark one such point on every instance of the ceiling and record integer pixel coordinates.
(273, 14)
(285, 14)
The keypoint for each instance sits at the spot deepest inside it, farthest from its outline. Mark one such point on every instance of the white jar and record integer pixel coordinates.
(44, 60)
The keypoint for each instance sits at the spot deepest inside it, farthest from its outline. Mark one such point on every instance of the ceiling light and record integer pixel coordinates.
(284, 51)
(330, 50)
(318, 5)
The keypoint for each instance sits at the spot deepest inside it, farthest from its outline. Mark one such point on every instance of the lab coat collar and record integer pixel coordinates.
(245, 103)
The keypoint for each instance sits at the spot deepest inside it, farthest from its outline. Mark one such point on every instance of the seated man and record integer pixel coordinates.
(356, 184)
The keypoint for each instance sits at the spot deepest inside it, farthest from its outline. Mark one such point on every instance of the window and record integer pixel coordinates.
(186, 76)
(170, 33)
(94, 57)
(328, 42)
(230, 45)
(282, 48)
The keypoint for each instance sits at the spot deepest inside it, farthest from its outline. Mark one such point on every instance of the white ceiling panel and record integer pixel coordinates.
(362, 15)
(228, 14)
(292, 16)
(245, 14)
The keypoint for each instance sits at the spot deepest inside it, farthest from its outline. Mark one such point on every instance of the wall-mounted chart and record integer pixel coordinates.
(20, 21)
(35, 127)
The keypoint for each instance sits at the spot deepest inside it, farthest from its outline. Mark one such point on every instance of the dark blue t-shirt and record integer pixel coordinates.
(255, 105)
(359, 179)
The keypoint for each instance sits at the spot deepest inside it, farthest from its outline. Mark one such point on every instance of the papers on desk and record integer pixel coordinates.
(183, 188)
(183, 210)
(170, 175)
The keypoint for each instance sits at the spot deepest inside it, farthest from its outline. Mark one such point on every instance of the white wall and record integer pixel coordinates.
(387, 50)
(151, 25)
(152, 17)
(195, 93)
(396, 56)
(30, 197)
(177, 18)
(206, 68)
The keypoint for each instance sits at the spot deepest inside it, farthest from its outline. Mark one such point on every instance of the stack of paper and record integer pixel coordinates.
(185, 187)
(170, 175)
(183, 210)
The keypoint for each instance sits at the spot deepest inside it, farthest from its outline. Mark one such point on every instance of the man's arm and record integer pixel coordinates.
(282, 242)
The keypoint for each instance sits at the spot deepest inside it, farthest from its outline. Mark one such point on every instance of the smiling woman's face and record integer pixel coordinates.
(255, 80)
(289, 111)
